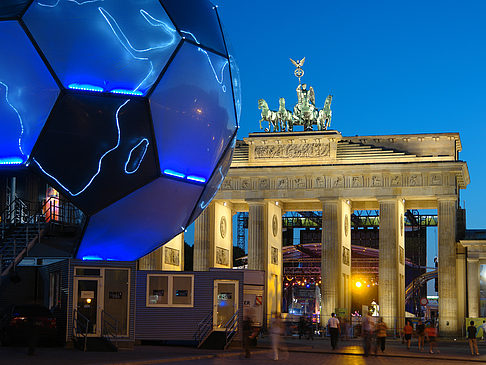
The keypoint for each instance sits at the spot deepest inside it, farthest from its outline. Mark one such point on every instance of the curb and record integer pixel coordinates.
(388, 355)
(188, 358)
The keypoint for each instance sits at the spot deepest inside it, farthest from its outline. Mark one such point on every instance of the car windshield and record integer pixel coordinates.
(31, 310)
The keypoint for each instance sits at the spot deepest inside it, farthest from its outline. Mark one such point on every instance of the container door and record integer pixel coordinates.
(88, 303)
(225, 303)
(116, 300)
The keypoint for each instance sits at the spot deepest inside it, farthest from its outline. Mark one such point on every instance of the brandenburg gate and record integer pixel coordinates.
(320, 170)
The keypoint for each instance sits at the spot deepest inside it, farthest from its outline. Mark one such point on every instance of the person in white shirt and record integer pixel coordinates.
(334, 329)
(483, 326)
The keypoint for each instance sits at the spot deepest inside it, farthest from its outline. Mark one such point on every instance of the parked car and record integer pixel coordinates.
(24, 324)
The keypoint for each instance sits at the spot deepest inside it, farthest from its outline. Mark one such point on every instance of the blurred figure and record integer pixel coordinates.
(407, 333)
(247, 329)
(301, 326)
(334, 328)
(276, 330)
(380, 335)
(421, 335)
(471, 338)
(483, 326)
(431, 333)
(310, 329)
(367, 328)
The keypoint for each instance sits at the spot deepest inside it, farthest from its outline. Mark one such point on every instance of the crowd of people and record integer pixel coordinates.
(373, 331)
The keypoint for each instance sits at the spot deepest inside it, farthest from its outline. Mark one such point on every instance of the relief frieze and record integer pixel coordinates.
(301, 150)
(299, 183)
(396, 180)
(415, 180)
(282, 183)
(227, 184)
(436, 179)
(320, 182)
(264, 184)
(338, 182)
(246, 184)
(376, 181)
(356, 181)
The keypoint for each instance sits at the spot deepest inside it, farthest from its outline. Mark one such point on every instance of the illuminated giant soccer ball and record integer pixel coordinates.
(125, 106)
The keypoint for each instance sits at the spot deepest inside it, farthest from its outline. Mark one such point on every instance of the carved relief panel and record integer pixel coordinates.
(274, 256)
(171, 256)
(346, 256)
(222, 256)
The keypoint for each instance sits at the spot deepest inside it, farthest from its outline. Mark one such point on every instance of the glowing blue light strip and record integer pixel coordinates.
(146, 141)
(174, 173)
(92, 258)
(71, 1)
(126, 92)
(180, 175)
(99, 162)
(86, 87)
(11, 161)
(196, 179)
(18, 115)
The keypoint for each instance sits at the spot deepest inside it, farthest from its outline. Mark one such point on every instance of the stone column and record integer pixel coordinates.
(256, 235)
(447, 208)
(265, 250)
(336, 257)
(202, 240)
(472, 287)
(391, 289)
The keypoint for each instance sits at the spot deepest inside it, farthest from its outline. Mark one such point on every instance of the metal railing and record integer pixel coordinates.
(22, 225)
(80, 328)
(109, 327)
(231, 328)
(23, 232)
(204, 328)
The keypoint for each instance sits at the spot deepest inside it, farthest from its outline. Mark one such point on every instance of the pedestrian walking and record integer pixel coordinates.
(407, 333)
(247, 328)
(367, 328)
(431, 333)
(334, 329)
(420, 329)
(301, 326)
(380, 335)
(471, 338)
(276, 330)
(310, 328)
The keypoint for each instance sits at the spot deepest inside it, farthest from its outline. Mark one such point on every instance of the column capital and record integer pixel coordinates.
(335, 200)
(447, 198)
(255, 202)
(389, 199)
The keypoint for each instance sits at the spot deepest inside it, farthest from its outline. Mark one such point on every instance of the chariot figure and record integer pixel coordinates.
(305, 111)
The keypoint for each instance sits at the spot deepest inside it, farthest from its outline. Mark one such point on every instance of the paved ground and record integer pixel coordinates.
(297, 352)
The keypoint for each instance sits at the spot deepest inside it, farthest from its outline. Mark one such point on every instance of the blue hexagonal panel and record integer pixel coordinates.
(215, 182)
(101, 155)
(12, 8)
(27, 94)
(197, 20)
(101, 45)
(193, 112)
(110, 234)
